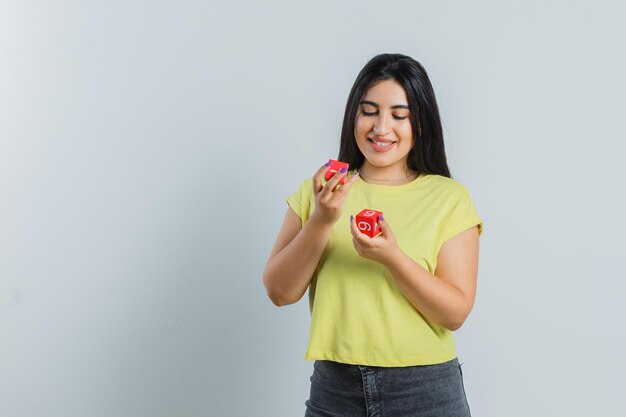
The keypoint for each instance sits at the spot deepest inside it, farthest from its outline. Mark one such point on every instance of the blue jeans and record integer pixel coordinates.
(344, 390)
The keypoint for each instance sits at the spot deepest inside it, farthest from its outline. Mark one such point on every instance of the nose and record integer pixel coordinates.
(381, 126)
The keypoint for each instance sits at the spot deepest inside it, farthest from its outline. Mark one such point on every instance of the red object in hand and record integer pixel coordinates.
(335, 166)
(367, 222)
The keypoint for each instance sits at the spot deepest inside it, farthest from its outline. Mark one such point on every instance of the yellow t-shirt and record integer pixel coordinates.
(358, 314)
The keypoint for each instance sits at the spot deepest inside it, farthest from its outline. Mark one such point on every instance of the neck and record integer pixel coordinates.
(386, 175)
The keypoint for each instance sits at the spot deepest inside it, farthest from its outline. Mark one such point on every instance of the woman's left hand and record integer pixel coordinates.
(380, 248)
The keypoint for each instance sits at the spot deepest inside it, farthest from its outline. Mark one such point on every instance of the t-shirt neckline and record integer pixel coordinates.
(382, 187)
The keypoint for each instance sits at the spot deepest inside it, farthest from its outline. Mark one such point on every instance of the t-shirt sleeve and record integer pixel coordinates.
(301, 199)
(462, 216)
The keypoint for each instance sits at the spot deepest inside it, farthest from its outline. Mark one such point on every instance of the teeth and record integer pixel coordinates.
(383, 143)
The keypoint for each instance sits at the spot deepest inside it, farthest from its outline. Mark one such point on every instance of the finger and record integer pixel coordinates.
(332, 182)
(355, 231)
(317, 179)
(352, 228)
(384, 226)
(345, 189)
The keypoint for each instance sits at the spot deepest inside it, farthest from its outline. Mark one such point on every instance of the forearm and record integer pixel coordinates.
(437, 300)
(288, 273)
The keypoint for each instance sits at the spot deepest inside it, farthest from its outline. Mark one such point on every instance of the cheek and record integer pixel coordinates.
(358, 126)
(406, 132)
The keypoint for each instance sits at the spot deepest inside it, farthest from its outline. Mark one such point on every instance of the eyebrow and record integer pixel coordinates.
(397, 106)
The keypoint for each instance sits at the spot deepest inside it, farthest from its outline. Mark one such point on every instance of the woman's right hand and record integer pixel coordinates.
(329, 198)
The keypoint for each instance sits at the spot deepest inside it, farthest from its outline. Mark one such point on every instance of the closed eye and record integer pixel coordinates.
(373, 113)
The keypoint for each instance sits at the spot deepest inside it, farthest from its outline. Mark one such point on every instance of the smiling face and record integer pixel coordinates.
(383, 130)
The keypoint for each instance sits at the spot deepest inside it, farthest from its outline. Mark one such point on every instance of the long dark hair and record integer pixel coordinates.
(428, 154)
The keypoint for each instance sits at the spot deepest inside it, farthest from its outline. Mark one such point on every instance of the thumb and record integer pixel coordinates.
(384, 226)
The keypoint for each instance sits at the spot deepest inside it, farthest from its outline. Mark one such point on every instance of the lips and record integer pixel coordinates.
(381, 148)
(382, 140)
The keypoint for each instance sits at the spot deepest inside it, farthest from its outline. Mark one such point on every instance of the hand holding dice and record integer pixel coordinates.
(372, 237)
(336, 166)
(330, 197)
(367, 222)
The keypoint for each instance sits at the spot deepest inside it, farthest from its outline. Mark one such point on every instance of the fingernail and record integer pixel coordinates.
(327, 164)
(355, 175)
(382, 218)
(343, 170)
(351, 218)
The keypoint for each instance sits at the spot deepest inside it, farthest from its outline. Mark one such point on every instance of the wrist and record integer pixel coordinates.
(319, 224)
(393, 258)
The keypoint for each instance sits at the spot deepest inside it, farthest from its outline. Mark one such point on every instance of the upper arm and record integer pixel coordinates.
(457, 264)
(288, 231)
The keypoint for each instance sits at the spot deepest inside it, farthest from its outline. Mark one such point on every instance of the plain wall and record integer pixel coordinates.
(147, 148)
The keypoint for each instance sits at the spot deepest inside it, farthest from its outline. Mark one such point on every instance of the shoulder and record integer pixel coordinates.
(306, 186)
(449, 186)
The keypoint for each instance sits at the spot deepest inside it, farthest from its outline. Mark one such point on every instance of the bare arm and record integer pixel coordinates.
(294, 258)
(298, 248)
(447, 296)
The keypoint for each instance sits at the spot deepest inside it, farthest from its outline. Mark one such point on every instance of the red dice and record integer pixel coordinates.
(367, 222)
(335, 166)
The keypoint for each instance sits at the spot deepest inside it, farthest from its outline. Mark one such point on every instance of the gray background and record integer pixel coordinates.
(147, 147)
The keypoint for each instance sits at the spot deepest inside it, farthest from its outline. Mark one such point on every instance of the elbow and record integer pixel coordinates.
(277, 299)
(459, 318)
(280, 299)
(453, 327)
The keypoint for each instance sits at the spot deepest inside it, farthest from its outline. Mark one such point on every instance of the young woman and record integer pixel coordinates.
(383, 309)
